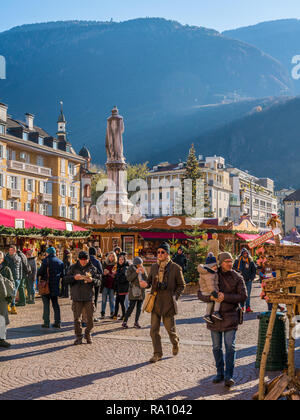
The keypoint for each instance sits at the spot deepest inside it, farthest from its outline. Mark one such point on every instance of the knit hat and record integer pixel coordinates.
(83, 255)
(224, 256)
(92, 251)
(166, 247)
(51, 251)
(137, 261)
(211, 260)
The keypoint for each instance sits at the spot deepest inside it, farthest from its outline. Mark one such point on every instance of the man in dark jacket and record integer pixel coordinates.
(232, 293)
(97, 264)
(245, 265)
(167, 282)
(180, 259)
(83, 278)
(14, 262)
(52, 270)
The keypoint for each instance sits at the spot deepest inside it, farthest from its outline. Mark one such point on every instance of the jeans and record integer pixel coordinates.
(2, 328)
(249, 290)
(229, 339)
(17, 285)
(30, 286)
(139, 304)
(127, 302)
(46, 313)
(108, 294)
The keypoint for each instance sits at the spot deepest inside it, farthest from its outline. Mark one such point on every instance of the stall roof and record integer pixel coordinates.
(8, 218)
(249, 237)
(166, 235)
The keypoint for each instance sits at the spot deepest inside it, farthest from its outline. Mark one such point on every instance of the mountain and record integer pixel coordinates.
(159, 73)
(279, 38)
(266, 142)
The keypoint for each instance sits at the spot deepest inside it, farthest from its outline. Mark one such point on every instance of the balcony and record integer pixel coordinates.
(28, 168)
(44, 198)
(73, 201)
(12, 193)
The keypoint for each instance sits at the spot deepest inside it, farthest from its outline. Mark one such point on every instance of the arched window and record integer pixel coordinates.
(87, 191)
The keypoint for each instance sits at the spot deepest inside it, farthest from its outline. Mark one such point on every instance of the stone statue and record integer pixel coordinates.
(114, 137)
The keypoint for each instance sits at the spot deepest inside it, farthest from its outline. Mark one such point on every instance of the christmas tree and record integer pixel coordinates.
(196, 254)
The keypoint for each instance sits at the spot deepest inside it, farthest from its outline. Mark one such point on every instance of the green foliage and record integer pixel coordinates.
(196, 254)
(45, 232)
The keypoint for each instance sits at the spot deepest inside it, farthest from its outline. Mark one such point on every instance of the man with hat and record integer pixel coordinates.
(167, 283)
(52, 270)
(83, 277)
(232, 292)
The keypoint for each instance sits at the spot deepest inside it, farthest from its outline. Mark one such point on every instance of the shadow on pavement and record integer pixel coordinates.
(49, 387)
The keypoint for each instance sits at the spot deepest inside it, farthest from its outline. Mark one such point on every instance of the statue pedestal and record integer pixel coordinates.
(114, 203)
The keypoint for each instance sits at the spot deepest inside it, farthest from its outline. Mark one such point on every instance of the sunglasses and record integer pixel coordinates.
(161, 252)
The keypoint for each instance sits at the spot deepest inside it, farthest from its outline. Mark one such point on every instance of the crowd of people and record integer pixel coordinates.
(225, 286)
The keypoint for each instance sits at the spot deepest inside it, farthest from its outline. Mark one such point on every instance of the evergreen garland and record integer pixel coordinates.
(45, 232)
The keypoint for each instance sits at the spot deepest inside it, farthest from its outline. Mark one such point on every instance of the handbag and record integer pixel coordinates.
(149, 302)
(240, 315)
(43, 285)
(136, 291)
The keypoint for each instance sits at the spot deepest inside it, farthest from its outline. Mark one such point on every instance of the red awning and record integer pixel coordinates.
(7, 219)
(247, 237)
(166, 235)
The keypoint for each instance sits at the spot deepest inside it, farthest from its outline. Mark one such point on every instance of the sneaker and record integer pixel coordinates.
(4, 344)
(88, 338)
(115, 318)
(9, 308)
(46, 326)
(242, 308)
(13, 311)
(156, 358)
(249, 311)
(125, 326)
(56, 325)
(208, 319)
(218, 379)
(102, 316)
(96, 319)
(217, 316)
(112, 316)
(137, 325)
(229, 383)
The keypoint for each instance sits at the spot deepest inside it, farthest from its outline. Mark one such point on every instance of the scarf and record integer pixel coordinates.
(162, 266)
(246, 261)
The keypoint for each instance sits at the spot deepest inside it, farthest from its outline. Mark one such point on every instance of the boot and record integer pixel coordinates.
(4, 344)
(156, 358)
(78, 341)
(9, 308)
(13, 311)
(88, 338)
(175, 350)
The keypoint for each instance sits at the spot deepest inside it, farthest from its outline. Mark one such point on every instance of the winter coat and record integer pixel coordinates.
(26, 269)
(166, 300)
(181, 260)
(121, 282)
(109, 279)
(7, 288)
(233, 286)
(97, 264)
(81, 291)
(136, 292)
(33, 268)
(209, 282)
(247, 270)
(56, 272)
(15, 265)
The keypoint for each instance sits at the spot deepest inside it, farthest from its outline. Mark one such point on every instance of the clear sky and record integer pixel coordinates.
(216, 14)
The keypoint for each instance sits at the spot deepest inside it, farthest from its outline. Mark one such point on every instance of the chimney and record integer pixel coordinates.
(29, 121)
(3, 112)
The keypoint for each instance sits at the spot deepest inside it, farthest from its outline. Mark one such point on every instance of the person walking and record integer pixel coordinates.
(83, 278)
(245, 265)
(14, 262)
(31, 277)
(7, 288)
(167, 282)
(98, 265)
(26, 269)
(67, 260)
(232, 292)
(121, 286)
(107, 287)
(52, 270)
(137, 278)
(180, 259)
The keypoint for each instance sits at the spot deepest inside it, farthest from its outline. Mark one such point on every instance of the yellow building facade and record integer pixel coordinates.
(41, 173)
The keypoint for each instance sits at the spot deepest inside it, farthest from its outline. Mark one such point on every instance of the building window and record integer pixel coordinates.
(1, 204)
(63, 190)
(30, 185)
(63, 211)
(13, 205)
(41, 141)
(73, 192)
(72, 169)
(62, 166)
(1, 152)
(25, 136)
(13, 182)
(54, 145)
(72, 211)
(1, 180)
(2, 129)
(40, 161)
(27, 206)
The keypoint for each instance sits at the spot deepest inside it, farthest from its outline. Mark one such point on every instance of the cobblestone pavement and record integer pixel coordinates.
(46, 365)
